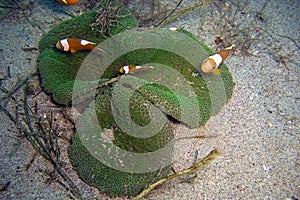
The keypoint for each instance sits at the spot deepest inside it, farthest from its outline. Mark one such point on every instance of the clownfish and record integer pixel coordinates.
(212, 62)
(132, 69)
(74, 44)
(67, 2)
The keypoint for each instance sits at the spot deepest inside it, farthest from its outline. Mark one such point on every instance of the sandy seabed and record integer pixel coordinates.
(257, 131)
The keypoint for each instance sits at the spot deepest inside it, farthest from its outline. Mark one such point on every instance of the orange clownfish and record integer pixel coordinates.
(132, 69)
(67, 2)
(74, 44)
(212, 62)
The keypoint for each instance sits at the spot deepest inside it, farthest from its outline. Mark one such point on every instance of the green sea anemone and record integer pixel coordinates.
(133, 105)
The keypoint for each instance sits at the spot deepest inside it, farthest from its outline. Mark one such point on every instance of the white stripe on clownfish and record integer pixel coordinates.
(65, 44)
(85, 42)
(126, 69)
(217, 58)
(173, 29)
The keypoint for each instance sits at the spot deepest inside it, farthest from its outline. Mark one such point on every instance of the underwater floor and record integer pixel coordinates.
(257, 131)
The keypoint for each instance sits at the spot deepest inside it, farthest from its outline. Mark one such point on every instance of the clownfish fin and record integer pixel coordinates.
(217, 71)
(73, 51)
(230, 46)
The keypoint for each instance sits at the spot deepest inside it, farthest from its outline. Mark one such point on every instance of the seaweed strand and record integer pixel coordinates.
(207, 160)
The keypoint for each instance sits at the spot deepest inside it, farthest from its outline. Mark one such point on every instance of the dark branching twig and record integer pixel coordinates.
(43, 140)
(178, 4)
(183, 12)
(235, 23)
(108, 17)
